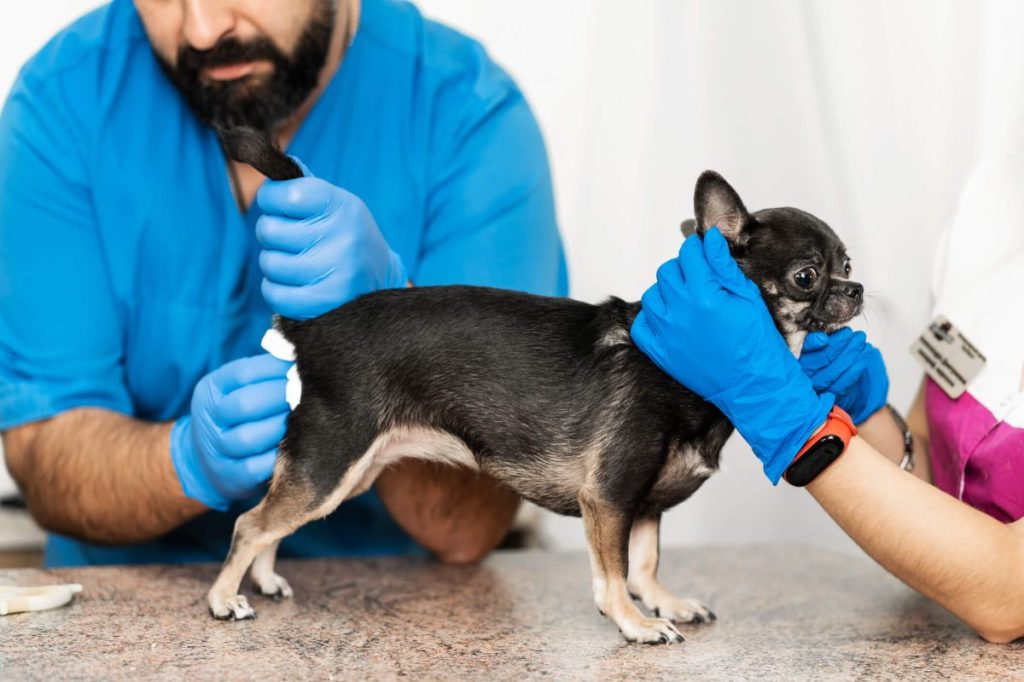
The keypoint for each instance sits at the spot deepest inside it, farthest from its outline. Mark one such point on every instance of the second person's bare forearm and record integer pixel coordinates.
(952, 553)
(883, 433)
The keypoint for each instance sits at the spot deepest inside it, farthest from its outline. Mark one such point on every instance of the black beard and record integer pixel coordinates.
(262, 102)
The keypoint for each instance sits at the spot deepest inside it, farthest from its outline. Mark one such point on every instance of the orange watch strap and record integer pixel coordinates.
(838, 423)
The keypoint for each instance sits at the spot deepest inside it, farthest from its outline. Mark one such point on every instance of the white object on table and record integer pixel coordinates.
(20, 599)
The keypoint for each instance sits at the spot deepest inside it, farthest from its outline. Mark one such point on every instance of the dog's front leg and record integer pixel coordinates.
(643, 576)
(608, 538)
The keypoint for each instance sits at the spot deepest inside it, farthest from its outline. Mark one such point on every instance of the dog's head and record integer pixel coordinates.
(796, 260)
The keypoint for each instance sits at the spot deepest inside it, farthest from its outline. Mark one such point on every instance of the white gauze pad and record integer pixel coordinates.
(281, 348)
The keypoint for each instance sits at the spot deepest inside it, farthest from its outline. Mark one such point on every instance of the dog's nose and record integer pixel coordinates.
(852, 290)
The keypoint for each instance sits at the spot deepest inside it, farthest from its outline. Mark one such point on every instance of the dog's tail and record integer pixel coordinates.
(256, 148)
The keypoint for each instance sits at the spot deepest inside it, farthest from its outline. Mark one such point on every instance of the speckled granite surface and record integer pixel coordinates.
(784, 613)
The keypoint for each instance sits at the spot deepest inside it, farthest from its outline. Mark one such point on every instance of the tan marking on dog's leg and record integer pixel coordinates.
(267, 582)
(643, 577)
(607, 539)
(248, 541)
(285, 508)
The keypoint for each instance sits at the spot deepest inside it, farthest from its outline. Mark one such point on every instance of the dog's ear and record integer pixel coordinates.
(716, 204)
(256, 148)
(688, 227)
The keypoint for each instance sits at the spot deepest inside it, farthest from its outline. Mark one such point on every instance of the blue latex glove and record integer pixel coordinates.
(225, 449)
(848, 367)
(705, 324)
(321, 248)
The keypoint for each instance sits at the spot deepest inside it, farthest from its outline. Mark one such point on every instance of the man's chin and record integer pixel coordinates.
(237, 91)
(245, 102)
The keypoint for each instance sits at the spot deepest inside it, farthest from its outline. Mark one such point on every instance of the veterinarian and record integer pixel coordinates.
(959, 541)
(139, 269)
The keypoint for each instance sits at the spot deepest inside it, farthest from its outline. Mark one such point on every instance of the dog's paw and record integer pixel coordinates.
(273, 586)
(683, 610)
(651, 631)
(232, 608)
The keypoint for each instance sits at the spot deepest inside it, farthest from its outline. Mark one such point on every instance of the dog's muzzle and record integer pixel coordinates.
(843, 303)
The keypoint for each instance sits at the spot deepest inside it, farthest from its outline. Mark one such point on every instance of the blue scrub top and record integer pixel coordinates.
(127, 271)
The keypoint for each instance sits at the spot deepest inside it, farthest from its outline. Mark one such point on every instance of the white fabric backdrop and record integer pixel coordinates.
(868, 113)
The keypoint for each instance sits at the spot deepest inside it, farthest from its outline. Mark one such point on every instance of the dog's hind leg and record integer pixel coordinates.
(357, 481)
(257, 533)
(643, 576)
(266, 582)
(607, 528)
(291, 502)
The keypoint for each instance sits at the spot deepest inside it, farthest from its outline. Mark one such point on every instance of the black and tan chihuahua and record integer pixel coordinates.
(547, 395)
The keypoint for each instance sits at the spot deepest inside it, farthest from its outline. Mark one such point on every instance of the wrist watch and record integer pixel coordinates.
(823, 448)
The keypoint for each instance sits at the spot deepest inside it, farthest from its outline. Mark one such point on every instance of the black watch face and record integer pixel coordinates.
(815, 460)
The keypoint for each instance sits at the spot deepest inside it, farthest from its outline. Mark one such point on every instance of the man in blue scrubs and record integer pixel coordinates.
(139, 268)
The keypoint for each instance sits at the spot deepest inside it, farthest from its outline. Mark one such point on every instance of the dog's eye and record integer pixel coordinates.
(847, 268)
(806, 278)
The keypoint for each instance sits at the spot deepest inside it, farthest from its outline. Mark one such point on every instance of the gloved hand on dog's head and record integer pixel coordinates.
(847, 366)
(705, 324)
(225, 449)
(321, 248)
